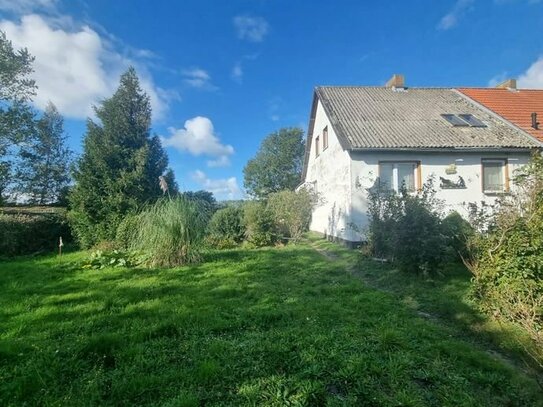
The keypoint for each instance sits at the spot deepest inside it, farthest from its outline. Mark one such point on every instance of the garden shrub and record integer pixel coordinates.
(407, 228)
(171, 232)
(27, 232)
(260, 228)
(506, 258)
(291, 212)
(458, 233)
(226, 227)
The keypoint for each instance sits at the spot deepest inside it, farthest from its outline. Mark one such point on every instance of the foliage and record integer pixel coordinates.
(506, 258)
(407, 228)
(99, 259)
(275, 327)
(45, 160)
(260, 228)
(120, 165)
(292, 212)
(277, 164)
(26, 232)
(171, 231)
(458, 233)
(226, 227)
(16, 116)
(205, 196)
(127, 230)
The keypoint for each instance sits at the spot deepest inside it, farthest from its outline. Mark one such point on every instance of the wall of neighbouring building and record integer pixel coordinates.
(364, 172)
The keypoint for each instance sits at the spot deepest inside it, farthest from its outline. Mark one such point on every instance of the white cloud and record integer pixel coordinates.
(225, 188)
(450, 19)
(198, 138)
(533, 77)
(274, 106)
(252, 29)
(237, 72)
(75, 68)
(197, 78)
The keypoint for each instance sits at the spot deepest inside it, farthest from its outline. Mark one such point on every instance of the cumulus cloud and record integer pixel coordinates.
(533, 77)
(75, 68)
(250, 28)
(198, 138)
(450, 19)
(225, 188)
(197, 78)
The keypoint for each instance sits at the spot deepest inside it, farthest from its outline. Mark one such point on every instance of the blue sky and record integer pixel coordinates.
(224, 74)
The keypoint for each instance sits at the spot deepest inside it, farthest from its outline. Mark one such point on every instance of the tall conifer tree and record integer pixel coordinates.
(44, 170)
(120, 165)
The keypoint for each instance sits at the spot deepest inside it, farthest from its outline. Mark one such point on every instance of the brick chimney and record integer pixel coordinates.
(508, 84)
(397, 81)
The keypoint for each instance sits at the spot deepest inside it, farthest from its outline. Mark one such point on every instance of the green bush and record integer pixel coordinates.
(292, 212)
(458, 233)
(28, 233)
(506, 258)
(226, 227)
(407, 228)
(171, 232)
(259, 223)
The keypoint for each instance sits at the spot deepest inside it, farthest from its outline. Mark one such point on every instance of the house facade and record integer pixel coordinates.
(360, 137)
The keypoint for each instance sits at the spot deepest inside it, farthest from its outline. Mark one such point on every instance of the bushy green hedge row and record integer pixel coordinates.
(29, 233)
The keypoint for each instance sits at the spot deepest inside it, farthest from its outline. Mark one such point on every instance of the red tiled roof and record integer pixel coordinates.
(515, 106)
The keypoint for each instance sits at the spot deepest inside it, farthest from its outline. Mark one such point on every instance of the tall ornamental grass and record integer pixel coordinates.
(171, 232)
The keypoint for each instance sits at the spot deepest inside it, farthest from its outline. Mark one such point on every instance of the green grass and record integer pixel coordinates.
(275, 327)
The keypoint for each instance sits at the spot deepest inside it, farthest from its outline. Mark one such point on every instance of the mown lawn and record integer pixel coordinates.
(283, 326)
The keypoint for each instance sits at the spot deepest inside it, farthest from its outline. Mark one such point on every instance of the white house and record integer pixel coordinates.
(358, 136)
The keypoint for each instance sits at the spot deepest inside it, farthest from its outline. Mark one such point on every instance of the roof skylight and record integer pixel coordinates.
(472, 120)
(454, 120)
(463, 120)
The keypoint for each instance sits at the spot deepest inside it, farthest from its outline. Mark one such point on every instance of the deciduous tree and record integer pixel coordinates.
(277, 165)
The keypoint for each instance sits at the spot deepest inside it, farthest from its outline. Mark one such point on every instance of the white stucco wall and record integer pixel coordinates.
(330, 175)
(364, 171)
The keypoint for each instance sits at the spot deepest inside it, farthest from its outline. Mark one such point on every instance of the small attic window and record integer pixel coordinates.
(463, 120)
(455, 120)
(472, 120)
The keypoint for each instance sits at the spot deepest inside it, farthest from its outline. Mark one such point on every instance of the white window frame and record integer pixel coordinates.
(395, 179)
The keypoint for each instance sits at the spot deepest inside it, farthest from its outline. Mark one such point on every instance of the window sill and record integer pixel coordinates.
(496, 193)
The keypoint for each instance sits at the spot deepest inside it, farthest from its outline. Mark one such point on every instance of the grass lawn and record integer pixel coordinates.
(284, 326)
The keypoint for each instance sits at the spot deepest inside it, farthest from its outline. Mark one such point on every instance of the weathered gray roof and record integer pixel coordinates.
(383, 118)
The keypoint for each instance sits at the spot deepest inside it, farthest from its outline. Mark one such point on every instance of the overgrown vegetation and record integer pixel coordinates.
(268, 327)
(260, 228)
(171, 231)
(408, 229)
(506, 257)
(292, 212)
(226, 227)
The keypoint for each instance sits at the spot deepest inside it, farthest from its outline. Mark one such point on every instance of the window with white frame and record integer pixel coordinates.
(494, 175)
(394, 175)
(317, 151)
